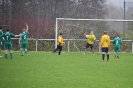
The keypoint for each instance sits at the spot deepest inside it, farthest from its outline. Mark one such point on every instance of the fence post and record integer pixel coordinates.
(56, 32)
(68, 46)
(99, 47)
(36, 45)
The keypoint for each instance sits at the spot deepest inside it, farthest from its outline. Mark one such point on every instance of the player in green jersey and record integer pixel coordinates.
(8, 43)
(1, 33)
(23, 41)
(117, 43)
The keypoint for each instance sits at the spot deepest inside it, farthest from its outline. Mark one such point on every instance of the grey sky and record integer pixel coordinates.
(119, 3)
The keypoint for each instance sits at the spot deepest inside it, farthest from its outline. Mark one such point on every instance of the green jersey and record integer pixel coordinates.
(1, 33)
(7, 36)
(24, 37)
(117, 42)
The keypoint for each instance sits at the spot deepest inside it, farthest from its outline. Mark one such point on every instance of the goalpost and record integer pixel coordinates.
(70, 27)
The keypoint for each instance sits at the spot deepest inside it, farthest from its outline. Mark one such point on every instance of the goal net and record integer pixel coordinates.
(74, 29)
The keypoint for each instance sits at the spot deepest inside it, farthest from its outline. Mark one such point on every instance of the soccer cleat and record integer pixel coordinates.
(6, 56)
(22, 54)
(107, 60)
(118, 57)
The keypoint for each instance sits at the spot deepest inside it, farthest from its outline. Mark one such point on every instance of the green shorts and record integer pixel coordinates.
(24, 45)
(0, 43)
(8, 46)
(117, 49)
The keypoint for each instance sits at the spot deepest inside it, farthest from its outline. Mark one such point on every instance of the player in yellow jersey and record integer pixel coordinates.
(60, 43)
(90, 41)
(105, 44)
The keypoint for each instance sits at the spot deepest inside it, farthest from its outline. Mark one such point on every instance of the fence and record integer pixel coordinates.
(71, 45)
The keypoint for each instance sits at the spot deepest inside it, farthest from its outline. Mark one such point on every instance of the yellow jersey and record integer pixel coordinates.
(60, 41)
(91, 38)
(105, 41)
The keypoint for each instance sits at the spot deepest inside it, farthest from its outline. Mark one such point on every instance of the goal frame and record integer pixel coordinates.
(66, 19)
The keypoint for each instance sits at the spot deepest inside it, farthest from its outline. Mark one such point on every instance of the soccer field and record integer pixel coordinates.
(69, 70)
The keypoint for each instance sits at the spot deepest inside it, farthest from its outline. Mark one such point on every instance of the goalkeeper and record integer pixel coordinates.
(90, 42)
(60, 44)
(117, 43)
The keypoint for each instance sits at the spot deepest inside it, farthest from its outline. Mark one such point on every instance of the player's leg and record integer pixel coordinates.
(10, 48)
(118, 52)
(0, 47)
(92, 49)
(87, 45)
(103, 54)
(107, 52)
(115, 52)
(114, 55)
(21, 49)
(6, 50)
(60, 49)
(25, 51)
(0, 51)
(10, 54)
(25, 48)
(56, 48)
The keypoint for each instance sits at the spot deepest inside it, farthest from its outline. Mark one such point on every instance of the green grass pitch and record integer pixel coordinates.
(69, 70)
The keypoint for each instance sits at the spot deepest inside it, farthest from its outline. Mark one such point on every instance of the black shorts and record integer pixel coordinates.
(59, 47)
(89, 45)
(105, 50)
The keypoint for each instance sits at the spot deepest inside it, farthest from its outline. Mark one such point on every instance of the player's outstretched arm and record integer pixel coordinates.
(19, 41)
(18, 35)
(27, 26)
(86, 35)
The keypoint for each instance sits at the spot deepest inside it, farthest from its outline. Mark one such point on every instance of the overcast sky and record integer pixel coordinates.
(119, 3)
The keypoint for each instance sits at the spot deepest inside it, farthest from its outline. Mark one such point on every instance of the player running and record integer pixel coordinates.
(60, 44)
(8, 43)
(1, 33)
(105, 44)
(23, 41)
(117, 43)
(90, 42)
